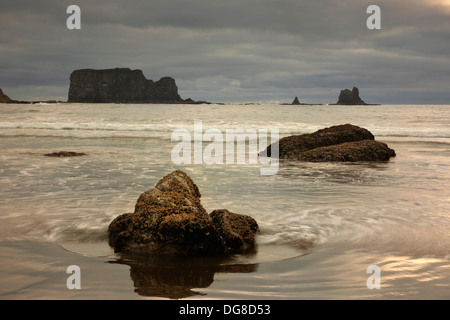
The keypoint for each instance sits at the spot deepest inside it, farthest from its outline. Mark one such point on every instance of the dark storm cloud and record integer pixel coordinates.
(234, 50)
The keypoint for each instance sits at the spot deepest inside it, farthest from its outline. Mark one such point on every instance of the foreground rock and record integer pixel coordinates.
(169, 219)
(347, 97)
(338, 143)
(236, 230)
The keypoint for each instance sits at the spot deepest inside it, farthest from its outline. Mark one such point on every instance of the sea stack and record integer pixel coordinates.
(4, 98)
(120, 85)
(296, 102)
(347, 97)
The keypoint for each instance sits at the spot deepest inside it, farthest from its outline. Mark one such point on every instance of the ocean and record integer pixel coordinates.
(327, 230)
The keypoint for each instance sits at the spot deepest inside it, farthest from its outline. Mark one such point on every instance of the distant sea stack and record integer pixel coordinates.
(296, 102)
(4, 98)
(347, 97)
(120, 85)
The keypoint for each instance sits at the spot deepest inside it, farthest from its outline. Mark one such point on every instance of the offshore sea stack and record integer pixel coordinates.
(120, 85)
(338, 143)
(170, 219)
(4, 98)
(296, 102)
(347, 97)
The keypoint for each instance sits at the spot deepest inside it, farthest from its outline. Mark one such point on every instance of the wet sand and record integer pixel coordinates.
(37, 270)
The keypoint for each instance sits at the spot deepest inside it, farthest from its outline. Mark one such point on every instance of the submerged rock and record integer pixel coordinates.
(169, 219)
(64, 154)
(337, 143)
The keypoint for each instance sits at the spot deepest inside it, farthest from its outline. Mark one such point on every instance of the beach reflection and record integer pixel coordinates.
(177, 277)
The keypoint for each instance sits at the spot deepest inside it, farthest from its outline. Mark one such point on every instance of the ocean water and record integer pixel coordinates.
(322, 225)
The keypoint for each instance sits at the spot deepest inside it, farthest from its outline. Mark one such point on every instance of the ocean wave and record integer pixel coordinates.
(165, 130)
(87, 126)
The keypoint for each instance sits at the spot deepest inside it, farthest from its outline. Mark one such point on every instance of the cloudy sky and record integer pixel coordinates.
(234, 50)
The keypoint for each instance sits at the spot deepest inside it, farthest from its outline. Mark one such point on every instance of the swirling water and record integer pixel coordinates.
(321, 224)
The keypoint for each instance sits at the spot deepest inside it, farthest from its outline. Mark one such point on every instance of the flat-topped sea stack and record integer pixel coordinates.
(338, 143)
(347, 97)
(169, 219)
(121, 85)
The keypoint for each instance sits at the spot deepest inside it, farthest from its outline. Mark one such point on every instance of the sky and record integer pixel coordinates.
(234, 50)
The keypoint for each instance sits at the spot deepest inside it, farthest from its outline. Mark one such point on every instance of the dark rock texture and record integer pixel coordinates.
(4, 98)
(120, 85)
(296, 102)
(237, 230)
(365, 150)
(64, 154)
(347, 97)
(169, 219)
(338, 143)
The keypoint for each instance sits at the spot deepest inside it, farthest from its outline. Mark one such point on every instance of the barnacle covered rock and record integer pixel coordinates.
(170, 219)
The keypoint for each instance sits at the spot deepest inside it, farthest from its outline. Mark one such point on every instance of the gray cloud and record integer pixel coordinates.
(246, 50)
